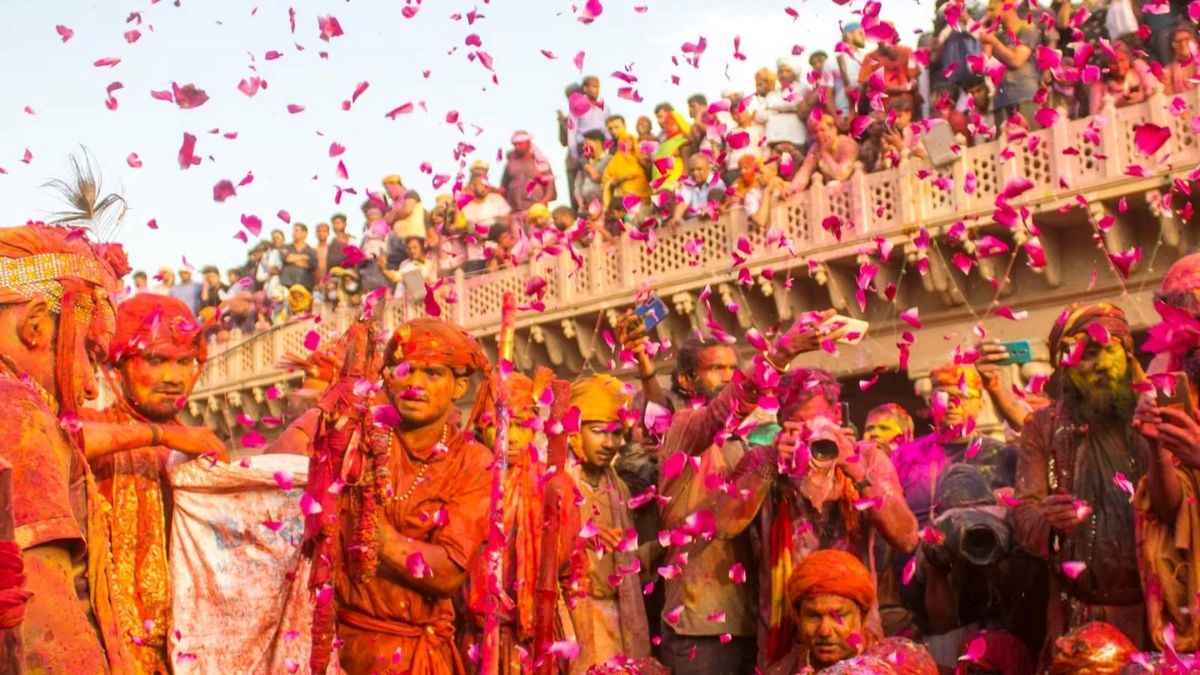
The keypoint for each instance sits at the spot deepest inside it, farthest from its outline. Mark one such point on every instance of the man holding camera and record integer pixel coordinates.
(1077, 462)
(708, 626)
(812, 488)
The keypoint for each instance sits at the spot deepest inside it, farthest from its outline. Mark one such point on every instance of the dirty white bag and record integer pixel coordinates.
(239, 584)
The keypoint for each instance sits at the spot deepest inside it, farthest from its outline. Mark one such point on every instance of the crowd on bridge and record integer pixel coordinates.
(861, 106)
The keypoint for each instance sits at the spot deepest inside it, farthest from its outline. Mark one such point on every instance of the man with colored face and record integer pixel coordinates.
(412, 518)
(526, 488)
(943, 598)
(831, 593)
(1073, 512)
(155, 355)
(700, 444)
(810, 487)
(55, 314)
(612, 621)
(890, 426)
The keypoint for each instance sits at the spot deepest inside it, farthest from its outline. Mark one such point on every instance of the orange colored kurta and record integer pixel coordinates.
(387, 626)
(50, 515)
(134, 484)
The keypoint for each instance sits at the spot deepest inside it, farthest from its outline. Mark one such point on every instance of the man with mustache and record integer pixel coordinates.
(1073, 507)
(395, 542)
(154, 359)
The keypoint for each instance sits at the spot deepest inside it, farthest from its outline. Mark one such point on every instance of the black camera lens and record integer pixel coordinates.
(823, 449)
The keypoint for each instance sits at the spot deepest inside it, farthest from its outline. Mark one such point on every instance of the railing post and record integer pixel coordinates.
(1158, 115)
(816, 209)
(460, 292)
(567, 290)
(910, 211)
(625, 257)
(1110, 141)
(1062, 167)
(860, 211)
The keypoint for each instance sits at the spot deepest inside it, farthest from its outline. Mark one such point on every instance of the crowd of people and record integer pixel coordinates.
(857, 107)
(727, 519)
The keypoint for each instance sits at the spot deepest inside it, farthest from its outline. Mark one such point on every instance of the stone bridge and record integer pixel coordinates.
(941, 263)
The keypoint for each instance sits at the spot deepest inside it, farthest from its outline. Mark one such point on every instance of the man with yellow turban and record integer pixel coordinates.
(1079, 458)
(612, 622)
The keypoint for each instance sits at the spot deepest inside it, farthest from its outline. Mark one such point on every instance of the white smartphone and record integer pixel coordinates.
(856, 329)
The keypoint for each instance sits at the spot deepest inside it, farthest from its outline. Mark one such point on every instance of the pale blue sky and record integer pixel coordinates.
(210, 42)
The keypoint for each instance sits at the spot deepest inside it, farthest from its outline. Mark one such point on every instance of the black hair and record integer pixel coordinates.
(687, 360)
(664, 106)
(697, 98)
(337, 216)
(594, 135)
(302, 226)
(614, 117)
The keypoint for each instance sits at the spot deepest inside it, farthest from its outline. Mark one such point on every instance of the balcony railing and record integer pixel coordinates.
(1094, 157)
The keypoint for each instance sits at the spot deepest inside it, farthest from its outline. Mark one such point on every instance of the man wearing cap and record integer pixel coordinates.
(528, 178)
(156, 355)
(1074, 513)
(55, 312)
(784, 112)
(412, 515)
(613, 620)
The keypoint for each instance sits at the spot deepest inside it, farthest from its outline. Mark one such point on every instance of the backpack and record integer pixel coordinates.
(958, 47)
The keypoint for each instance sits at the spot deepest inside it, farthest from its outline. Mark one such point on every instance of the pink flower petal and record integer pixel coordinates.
(312, 340)
(309, 506)
(64, 32)
(1148, 138)
(284, 480)
(133, 160)
(1073, 568)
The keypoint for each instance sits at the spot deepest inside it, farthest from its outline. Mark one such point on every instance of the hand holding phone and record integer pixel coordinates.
(651, 312)
(1175, 393)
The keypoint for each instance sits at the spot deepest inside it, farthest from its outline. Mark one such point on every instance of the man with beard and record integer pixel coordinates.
(157, 353)
(696, 454)
(1075, 458)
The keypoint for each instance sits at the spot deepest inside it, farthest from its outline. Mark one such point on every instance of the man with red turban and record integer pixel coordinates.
(831, 593)
(55, 312)
(393, 545)
(1078, 460)
(156, 352)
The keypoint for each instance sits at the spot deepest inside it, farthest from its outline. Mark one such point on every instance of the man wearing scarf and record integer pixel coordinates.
(612, 621)
(54, 312)
(1168, 518)
(528, 178)
(1077, 459)
(524, 530)
(413, 513)
(157, 353)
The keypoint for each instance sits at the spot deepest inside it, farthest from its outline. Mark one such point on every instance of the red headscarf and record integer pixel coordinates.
(442, 343)
(1002, 652)
(1076, 319)
(148, 319)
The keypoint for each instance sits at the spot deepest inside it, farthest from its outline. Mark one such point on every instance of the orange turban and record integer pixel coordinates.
(524, 392)
(147, 319)
(1096, 647)
(832, 572)
(600, 398)
(75, 277)
(442, 343)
